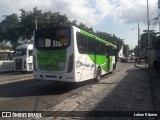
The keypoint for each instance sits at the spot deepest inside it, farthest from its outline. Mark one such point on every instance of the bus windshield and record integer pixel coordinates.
(20, 52)
(53, 38)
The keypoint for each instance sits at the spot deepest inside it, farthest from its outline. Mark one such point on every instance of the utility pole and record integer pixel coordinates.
(159, 13)
(148, 24)
(36, 22)
(138, 57)
(148, 35)
(138, 37)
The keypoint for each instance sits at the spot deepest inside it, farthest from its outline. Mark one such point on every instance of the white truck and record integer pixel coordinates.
(23, 58)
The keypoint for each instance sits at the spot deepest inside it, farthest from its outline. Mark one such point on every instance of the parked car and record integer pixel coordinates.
(124, 59)
(132, 58)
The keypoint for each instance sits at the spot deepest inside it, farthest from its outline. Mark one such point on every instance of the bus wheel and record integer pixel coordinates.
(114, 66)
(98, 74)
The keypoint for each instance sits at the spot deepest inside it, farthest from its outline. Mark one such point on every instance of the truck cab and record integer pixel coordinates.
(23, 58)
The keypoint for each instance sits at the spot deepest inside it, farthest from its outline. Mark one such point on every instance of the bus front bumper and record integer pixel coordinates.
(63, 77)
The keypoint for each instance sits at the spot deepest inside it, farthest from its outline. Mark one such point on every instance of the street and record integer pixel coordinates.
(31, 95)
(123, 90)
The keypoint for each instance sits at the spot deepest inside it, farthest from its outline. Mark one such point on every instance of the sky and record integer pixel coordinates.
(117, 17)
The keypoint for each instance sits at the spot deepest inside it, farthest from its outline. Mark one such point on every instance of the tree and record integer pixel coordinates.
(156, 41)
(136, 49)
(9, 29)
(84, 27)
(143, 41)
(27, 23)
(29, 19)
(5, 47)
(15, 29)
(119, 43)
(125, 50)
(154, 38)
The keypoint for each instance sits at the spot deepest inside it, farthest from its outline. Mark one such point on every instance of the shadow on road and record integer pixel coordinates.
(38, 88)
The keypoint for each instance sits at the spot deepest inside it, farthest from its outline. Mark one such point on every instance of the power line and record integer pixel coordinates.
(154, 11)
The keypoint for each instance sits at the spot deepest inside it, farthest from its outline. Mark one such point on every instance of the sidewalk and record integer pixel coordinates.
(155, 84)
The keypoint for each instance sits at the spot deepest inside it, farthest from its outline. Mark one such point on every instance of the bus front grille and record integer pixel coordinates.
(18, 64)
(51, 76)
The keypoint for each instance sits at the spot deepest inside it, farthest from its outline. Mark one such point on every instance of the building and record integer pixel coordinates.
(154, 55)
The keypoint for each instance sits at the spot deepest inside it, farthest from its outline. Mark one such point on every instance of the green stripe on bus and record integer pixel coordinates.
(97, 38)
(101, 61)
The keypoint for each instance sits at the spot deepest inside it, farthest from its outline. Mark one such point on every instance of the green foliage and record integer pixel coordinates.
(136, 49)
(5, 47)
(9, 30)
(143, 41)
(126, 50)
(20, 29)
(154, 38)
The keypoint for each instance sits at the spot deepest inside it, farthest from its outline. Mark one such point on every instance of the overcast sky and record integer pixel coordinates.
(112, 16)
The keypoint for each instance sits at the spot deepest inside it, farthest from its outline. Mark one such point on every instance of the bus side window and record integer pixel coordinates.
(107, 51)
(112, 51)
(81, 43)
(30, 52)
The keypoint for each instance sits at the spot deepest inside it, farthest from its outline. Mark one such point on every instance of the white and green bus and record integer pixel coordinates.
(70, 54)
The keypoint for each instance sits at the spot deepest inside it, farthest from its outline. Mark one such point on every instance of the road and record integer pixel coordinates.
(19, 93)
(31, 95)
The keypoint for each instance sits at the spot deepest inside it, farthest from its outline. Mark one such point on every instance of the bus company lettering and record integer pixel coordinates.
(28, 114)
(55, 56)
(80, 64)
(34, 115)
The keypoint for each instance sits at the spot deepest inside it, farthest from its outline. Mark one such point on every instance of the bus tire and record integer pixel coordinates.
(115, 66)
(98, 75)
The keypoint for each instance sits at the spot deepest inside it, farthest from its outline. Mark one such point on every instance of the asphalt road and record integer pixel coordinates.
(18, 93)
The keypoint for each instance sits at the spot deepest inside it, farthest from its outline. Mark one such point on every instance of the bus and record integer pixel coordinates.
(70, 54)
(6, 61)
(23, 58)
